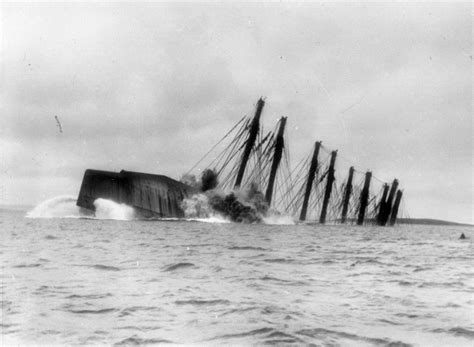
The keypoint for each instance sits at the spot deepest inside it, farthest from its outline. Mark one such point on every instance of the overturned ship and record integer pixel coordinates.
(251, 160)
(150, 195)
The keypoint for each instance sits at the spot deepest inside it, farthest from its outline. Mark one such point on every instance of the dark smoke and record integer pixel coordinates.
(242, 207)
(208, 180)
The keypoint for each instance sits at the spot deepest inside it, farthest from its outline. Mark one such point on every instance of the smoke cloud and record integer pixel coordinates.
(241, 206)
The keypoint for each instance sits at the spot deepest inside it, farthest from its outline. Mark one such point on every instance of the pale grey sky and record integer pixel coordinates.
(150, 87)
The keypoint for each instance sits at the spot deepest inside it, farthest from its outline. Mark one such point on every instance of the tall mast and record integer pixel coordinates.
(364, 197)
(396, 205)
(253, 132)
(329, 183)
(279, 145)
(382, 204)
(388, 205)
(309, 184)
(347, 195)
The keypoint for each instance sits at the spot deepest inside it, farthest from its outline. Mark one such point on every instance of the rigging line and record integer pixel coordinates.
(289, 192)
(255, 169)
(379, 179)
(300, 180)
(300, 187)
(296, 197)
(255, 172)
(230, 154)
(232, 144)
(222, 139)
(302, 162)
(233, 152)
(229, 158)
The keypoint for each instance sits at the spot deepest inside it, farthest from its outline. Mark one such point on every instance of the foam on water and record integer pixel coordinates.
(278, 219)
(211, 219)
(64, 206)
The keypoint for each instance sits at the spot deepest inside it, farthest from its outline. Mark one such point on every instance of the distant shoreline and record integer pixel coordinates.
(428, 221)
(419, 221)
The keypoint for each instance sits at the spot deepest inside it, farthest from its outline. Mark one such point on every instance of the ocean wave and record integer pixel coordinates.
(240, 310)
(50, 237)
(324, 333)
(88, 296)
(279, 280)
(202, 302)
(457, 331)
(254, 332)
(441, 285)
(266, 335)
(246, 248)
(279, 260)
(134, 340)
(100, 311)
(105, 267)
(178, 266)
(140, 308)
(20, 266)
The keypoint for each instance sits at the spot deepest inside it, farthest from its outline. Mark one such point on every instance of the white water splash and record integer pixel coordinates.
(65, 207)
(108, 209)
(58, 207)
(197, 208)
(212, 219)
(278, 219)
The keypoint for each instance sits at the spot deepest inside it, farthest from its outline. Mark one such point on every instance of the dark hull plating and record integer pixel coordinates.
(150, 195)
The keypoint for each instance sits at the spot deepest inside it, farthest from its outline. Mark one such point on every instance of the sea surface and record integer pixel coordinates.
(74, 281)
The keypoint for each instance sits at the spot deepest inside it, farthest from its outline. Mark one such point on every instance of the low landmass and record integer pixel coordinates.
(427, 221)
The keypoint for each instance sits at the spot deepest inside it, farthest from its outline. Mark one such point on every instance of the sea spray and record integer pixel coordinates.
(65, 207)
(275, 218)
(197, 206)
(108, 209)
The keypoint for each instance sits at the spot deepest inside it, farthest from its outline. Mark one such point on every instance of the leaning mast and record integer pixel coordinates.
(253, 132)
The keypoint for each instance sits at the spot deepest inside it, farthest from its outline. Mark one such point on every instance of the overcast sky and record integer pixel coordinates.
(151, 87)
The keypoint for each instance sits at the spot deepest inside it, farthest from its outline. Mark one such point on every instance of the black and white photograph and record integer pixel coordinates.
(236, 173)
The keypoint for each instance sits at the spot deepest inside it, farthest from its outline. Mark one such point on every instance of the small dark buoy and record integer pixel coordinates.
(462, 237)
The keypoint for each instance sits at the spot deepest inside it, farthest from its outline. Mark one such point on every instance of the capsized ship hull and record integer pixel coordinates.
(150, 195)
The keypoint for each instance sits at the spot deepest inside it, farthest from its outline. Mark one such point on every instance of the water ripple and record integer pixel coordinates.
(254, 332)
(178, 266)
(105, 267)
(246, 248)
(137, 341)
(102, 311)
(457, 331)
(324, 333)
(202, 302)
(21, 266)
